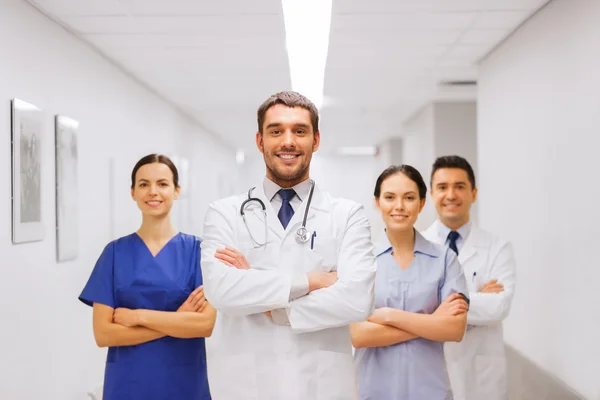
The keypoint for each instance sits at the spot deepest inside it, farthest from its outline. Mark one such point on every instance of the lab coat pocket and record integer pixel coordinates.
(327, 249)
(336, 376)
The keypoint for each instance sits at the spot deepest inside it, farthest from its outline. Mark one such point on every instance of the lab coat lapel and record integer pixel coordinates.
(470, 248)
(317, 204)
(273, 223)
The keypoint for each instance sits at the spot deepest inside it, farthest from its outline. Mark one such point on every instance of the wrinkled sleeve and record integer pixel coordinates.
(454, 278)
(100, 285)
(197, 264)
(491, 308)
(351, 298)
(237, 291)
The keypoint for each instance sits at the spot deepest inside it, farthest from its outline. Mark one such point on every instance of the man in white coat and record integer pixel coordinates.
(477, 365)
(285, 297)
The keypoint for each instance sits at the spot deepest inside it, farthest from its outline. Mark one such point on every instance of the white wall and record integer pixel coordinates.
(456, 130)
(538, 141)
(351, 177)
(419, 152)
(47, 348)
(456, 134)
(440, 129)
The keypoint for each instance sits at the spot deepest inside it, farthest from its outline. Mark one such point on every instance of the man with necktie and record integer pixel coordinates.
(288, 268)
(477, 365)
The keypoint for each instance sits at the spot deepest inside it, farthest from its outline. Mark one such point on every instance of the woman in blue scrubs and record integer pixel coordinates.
(148, 303)
(419, 302)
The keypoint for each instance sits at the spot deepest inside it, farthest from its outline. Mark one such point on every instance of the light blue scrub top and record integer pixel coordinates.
(412, 370)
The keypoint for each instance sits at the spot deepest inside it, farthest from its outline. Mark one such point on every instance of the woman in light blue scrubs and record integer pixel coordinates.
(149, 305)
(420, 302)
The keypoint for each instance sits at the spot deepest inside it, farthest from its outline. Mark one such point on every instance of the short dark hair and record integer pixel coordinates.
(454, 162)
(290, 99)
(155, 158)
(410, 172)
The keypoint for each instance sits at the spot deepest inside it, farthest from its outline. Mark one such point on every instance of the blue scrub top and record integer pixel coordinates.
(412, 370)
(127, 275)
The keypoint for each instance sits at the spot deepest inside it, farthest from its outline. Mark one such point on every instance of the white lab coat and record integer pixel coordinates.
(477, 365)
(304, 351)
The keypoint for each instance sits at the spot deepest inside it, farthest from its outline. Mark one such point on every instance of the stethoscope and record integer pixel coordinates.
(302, 235)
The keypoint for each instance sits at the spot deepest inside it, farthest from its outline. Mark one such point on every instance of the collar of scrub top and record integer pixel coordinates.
(271, 188)
(443, 231)
(422, 246)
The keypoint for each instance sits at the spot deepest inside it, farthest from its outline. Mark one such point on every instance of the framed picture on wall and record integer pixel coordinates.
(67, 210)
(26, 154)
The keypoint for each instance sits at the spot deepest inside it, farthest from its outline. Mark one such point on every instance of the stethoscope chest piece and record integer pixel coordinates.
(302, 235)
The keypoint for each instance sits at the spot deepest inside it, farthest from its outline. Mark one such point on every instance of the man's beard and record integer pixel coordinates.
(301, 171)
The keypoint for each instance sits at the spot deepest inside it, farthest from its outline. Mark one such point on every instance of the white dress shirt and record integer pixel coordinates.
(444, 231)
(271, 188)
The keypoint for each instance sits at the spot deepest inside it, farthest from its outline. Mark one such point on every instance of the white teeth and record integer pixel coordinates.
(287, 156)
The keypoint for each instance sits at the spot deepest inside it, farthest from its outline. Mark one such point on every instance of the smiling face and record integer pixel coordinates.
(287, 142)
(399, 202)
(154, 190)
(453, 195)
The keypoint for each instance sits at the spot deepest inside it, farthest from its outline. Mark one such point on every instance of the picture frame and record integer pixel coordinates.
(67, 193)
(26, 174)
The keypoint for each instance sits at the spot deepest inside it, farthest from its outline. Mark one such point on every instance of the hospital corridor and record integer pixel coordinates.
(299, 199)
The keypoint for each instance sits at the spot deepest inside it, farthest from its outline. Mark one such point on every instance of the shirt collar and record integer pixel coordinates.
(443, 230)
(271, 188)
(422, 245)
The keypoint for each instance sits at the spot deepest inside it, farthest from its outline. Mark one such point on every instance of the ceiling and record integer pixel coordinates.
(218, 60)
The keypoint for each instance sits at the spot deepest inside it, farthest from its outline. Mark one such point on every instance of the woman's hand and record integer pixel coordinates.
(454, 305)
(232, 258)
(196, 301)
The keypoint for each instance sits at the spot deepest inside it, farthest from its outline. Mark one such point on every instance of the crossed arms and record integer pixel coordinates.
(124, 327)
(325, 303)
(388, 326)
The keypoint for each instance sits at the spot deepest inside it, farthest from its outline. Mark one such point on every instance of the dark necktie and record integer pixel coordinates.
(452, 237)
(286, 212)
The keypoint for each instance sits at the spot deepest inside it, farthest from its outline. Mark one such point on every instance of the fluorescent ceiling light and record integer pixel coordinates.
(307, 24)
(358, 151)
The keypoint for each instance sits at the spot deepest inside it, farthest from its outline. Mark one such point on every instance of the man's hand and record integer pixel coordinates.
(196, 301)
(320, 280)
(492, 287)
(125, 317)
(454, 305)
(232, 258)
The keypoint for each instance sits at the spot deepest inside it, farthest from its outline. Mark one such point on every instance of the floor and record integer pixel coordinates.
(527, 381)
